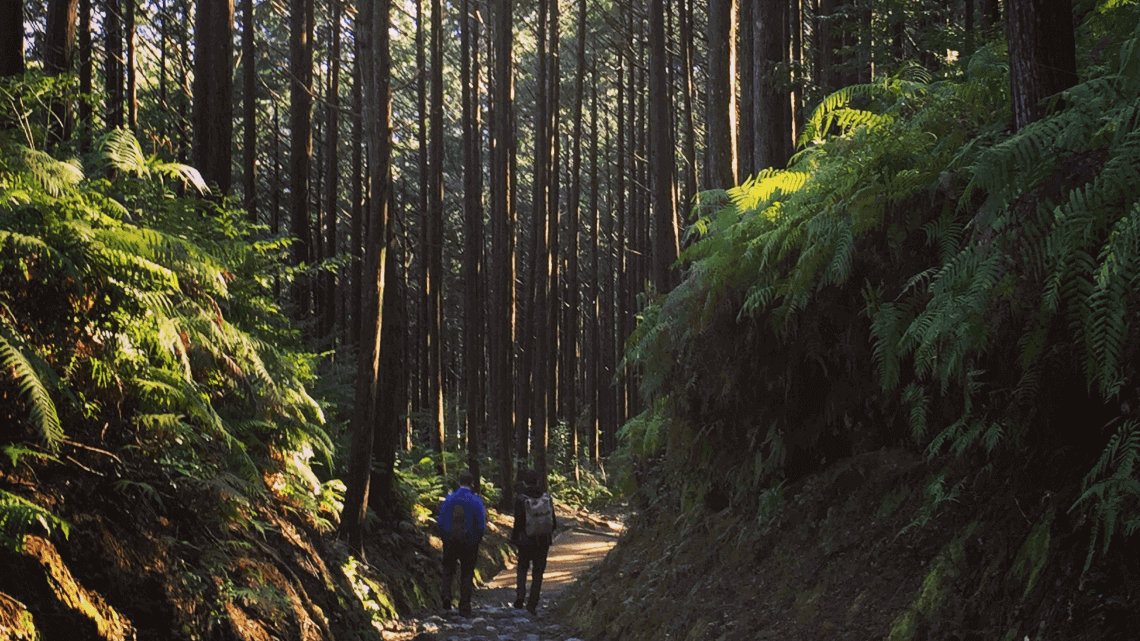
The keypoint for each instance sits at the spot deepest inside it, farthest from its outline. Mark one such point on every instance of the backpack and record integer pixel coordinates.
(458, 531)
(539, 515)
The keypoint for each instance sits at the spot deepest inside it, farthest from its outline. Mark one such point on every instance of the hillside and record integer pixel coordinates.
(895, 395)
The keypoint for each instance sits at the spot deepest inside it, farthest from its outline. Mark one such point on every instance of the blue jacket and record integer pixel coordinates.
(473, 511)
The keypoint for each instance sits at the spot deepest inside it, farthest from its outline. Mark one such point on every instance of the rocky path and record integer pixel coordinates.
(585, 543)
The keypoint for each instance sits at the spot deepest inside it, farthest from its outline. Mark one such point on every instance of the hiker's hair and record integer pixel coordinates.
(466, 478)
(529, 477)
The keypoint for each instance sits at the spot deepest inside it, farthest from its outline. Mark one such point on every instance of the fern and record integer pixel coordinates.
(19, 516)
(32, 376)
(1111, 490)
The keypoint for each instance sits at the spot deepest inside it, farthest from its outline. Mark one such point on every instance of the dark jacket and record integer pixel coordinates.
(473, 511)
(518, 531)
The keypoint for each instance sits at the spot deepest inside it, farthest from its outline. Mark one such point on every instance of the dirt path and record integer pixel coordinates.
(573, 552)
(586, 541)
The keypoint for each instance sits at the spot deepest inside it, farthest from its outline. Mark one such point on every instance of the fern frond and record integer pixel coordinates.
(18, 516)
(30, 372)
(56, 177)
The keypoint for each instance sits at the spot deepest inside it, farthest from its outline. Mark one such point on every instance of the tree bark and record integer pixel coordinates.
(249, 111)
(666, 245)
(1042, 55)
(86, 71)
(12, 39)
(301, 144)
(746, 64)
(500, 321)
(113, 62)
(132, 97)
(377, 117)
(213, 92)
(720, 168)
(332, 175)
(572, 211)
(473, 351)
(690, 172)
(594, 319)
(827, 44)
(434, 246)
(773, 127)
(59, 48)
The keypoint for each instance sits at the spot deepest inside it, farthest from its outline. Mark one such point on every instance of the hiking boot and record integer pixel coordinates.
(518, 605)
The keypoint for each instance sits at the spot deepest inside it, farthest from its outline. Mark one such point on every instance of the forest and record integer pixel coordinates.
(813, 286)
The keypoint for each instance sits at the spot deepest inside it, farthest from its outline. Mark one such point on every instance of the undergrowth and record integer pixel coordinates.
(918, 274)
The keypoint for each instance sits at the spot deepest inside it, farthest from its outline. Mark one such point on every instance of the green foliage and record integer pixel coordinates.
(124, 305)
(975, 275)
(19, 516)
(1112, 489)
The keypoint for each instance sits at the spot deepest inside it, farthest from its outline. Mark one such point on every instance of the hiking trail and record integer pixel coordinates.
(583, 541)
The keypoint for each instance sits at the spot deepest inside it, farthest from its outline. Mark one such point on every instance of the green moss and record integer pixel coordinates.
(856, 606)
(946, 567)
(807, 603)
(1034, 553)
(903, 627)
(892, 501)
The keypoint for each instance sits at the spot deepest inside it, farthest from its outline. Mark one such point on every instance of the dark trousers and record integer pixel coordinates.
(530, 556)
(465, 556)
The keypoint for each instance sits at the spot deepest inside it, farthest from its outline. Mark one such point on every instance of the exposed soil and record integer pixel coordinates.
(857, 552)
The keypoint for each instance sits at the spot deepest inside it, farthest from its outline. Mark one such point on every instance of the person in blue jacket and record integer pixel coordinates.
(462, 521)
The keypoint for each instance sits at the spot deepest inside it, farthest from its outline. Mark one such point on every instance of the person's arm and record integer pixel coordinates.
(480, 519)
(520, 522)
(444, 517)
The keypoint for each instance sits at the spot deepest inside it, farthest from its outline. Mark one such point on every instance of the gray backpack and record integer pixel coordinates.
(539, 515)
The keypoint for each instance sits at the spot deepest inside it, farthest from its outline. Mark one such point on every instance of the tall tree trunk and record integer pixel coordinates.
(773, 128)
(500, 322)
(991, 13)
(377, 116)
(86, 71)
(113, 61)
(473, 351)
(356, 230)
(1042, 55)
(213, 92)
(796, 30)
(392, 400)
(827, 43)
(275, 193)
(434, 246)
(689, 182)
(617, 299)
(572, 211)
(249, 109)
(594, 319)
(59, 48)
(332, 174)
(745, 72)
(540, 310)
(12, 39)
(720, 168)
(301, 144)
(553, 325)
(132, 98)
(666, 244)
(420, 402)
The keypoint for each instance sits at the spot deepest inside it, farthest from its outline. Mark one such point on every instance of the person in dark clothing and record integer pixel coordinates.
(533, 508)
(462, 521)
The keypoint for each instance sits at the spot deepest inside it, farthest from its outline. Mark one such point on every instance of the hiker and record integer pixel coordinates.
(532, 535)
(462, 520)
